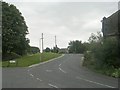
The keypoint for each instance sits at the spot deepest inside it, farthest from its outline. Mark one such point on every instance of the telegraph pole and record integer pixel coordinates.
(40, 47)
(42, 43)
(55, 41)
(56, 49)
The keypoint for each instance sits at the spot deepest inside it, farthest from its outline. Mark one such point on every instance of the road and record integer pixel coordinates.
(64, 72)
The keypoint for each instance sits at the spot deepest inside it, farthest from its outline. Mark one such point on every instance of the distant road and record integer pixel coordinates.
(66, 72)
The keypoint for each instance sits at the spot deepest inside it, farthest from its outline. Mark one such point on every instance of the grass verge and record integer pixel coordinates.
(26, 61)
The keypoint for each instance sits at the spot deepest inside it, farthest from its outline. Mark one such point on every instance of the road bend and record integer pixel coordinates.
(64, 72)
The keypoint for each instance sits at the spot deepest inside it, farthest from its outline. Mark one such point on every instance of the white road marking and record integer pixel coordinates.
(48, 70)
(52, 85)
(31, 75)
(59, 64)
(38, 79)
(95, 82)
(46, 61)
(62, 70)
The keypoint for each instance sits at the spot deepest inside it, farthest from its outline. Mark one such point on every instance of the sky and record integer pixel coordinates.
(67, 21)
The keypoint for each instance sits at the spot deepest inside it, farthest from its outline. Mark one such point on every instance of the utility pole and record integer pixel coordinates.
(55, 41)
(56, 49)
(41, 40)
(40, 47)
(42, 43)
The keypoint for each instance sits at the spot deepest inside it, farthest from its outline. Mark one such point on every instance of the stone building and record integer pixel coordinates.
(111, 25)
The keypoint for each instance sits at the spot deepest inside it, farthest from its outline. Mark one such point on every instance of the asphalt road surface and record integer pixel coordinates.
(64, 72)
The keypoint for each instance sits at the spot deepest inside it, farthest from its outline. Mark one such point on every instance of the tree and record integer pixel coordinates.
(14, 30)
(55, 49)
(86, 46)
(34, 50)
(47, 49)
(95, 38)
(76, 47)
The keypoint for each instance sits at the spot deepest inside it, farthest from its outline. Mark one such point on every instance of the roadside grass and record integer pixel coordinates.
(28, 60)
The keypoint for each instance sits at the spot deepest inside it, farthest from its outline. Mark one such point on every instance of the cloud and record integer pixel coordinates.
(67, 20)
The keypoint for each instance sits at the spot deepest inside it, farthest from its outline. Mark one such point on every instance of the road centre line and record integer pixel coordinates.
(52, 85)
(60, 64)
(95, 82)
(38, 79)
(48, 70)
(62, 70)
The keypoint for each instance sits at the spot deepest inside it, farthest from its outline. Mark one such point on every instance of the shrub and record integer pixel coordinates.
(88, 59)
(104, 55)
(10, 56)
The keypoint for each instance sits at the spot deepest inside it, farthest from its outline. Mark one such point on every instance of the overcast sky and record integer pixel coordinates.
(67, 20)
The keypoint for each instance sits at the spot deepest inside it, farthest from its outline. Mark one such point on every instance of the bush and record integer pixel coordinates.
(104, 56)
(10, 56)
(116, 73)
(106, 53)
(110, 50)
(88, 59)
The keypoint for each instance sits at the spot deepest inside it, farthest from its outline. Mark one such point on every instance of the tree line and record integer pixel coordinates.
(76, 47)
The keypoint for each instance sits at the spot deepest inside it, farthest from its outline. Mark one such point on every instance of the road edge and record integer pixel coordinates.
(46, 61)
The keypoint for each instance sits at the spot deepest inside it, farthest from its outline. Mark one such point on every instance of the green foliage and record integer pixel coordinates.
(111, 55)
(110, 71)
(14, 30)
(76, 47)
(10, 56)
(34, 50)
(86, 46)
(95, 38)
(88, 59)
(55, 49)
(103, 55)
(47, 49)
(116, 73)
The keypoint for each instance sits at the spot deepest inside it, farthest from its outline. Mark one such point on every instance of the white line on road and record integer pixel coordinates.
(62, 70)
(95, 82)
(38, 79)
(59, 64)
(48, 70)
(31, 75)
(52, 85)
